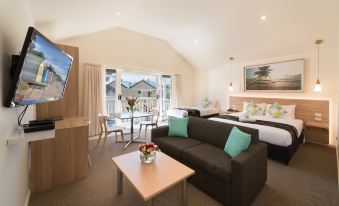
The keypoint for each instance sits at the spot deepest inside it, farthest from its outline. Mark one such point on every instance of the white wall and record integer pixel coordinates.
(122, 48)
(201, 85)
(338, 102)
(219, 78)
(15, 17)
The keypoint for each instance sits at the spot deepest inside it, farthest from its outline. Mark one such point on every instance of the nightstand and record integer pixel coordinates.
(317, 132)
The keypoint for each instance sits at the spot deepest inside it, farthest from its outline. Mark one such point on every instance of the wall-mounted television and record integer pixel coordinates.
(40, 73)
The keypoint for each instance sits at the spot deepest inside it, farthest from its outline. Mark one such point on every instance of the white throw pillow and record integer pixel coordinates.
(289, 112)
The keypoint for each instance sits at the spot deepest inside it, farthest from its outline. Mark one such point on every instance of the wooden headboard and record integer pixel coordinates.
(305, 108)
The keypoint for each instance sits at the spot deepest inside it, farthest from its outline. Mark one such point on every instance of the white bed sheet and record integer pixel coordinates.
(206, 111)
(177, 113)
(269, 134)
(182, 113)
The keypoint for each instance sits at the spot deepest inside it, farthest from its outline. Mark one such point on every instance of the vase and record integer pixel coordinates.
(131, 109)
(147, 157)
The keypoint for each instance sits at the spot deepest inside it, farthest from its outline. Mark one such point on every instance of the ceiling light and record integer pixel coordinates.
(195, 41)
(263, 18)
(117, 13)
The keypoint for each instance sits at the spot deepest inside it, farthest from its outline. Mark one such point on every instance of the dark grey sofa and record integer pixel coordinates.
(234, 181)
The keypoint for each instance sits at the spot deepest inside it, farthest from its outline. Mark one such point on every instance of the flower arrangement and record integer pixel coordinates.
(131, 101)
(148, 152)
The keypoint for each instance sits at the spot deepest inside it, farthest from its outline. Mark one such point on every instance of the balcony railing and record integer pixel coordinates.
(166, 107)
(110, 105)
(143, 104)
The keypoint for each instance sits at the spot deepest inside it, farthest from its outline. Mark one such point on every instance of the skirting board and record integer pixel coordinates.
(28, 196)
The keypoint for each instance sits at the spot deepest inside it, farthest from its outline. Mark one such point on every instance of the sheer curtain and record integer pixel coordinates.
(176, 90)
(92, 96)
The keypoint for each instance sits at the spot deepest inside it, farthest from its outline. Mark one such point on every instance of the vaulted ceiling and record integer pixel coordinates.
(205, 32)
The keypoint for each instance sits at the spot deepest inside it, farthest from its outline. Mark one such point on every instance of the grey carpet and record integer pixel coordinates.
(310, 179)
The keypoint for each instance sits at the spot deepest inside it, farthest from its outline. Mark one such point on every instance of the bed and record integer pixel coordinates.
(281, 144)
(193, 111)
(282, 136)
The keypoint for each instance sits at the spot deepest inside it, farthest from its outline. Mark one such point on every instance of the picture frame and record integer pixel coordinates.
(284, 76)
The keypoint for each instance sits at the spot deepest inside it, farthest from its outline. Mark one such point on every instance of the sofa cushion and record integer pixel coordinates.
(177, 127)
(209, 158)
(214, 132)
(174, 146)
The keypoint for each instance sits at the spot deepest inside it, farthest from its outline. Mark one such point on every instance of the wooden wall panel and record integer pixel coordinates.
(41, 164)
(60, 160)
(305, 108)
(63, 159)
(69, 105)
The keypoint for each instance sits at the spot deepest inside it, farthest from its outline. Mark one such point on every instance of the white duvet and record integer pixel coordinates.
(177, 113)
(269, 134)
(182, 113)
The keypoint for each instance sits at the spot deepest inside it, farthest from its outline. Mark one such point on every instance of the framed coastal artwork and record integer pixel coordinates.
(287, 76)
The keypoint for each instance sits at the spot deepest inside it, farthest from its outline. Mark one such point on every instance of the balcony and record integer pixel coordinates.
(144, 104)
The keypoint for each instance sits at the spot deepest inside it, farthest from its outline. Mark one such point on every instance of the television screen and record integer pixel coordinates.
(41, 72)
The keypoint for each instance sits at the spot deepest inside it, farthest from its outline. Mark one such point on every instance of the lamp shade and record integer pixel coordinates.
(230, 87)
(317, 86)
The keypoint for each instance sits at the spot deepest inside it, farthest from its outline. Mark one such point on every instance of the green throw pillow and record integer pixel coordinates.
(177, 127)
(237, 142)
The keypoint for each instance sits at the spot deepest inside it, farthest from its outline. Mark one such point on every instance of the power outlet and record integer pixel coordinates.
(317, 116)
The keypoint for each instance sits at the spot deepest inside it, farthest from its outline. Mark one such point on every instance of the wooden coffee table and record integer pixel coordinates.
(152, 179)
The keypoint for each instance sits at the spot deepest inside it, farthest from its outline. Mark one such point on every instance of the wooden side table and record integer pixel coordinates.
(317, 132)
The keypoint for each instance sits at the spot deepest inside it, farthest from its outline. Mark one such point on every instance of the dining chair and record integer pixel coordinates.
(104, 130)
(153, 122)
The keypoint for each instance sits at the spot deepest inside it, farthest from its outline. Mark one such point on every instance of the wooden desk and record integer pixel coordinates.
(63, 159)
(317, 132)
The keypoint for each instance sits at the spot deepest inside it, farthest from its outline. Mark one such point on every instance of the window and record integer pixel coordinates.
(141, 85)
(110, 90)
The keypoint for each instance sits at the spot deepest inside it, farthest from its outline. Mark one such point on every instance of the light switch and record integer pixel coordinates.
(317, 116)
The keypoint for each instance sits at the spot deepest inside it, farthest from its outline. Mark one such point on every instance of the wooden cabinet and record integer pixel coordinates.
(317, 132)
(63, 159)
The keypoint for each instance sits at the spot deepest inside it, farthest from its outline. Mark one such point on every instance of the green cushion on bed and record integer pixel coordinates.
(237, 142)
(177, 127)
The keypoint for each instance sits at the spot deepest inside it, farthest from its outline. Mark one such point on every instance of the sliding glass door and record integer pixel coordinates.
(140, 85)
(166, 94)
(110, 91)
(152, 90)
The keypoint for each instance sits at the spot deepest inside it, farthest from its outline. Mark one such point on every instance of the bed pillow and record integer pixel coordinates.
(177, 127)
(280, 111)
(237, 142)
(289, 111)
(253, 108)
(205, 102)
(274, 110)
